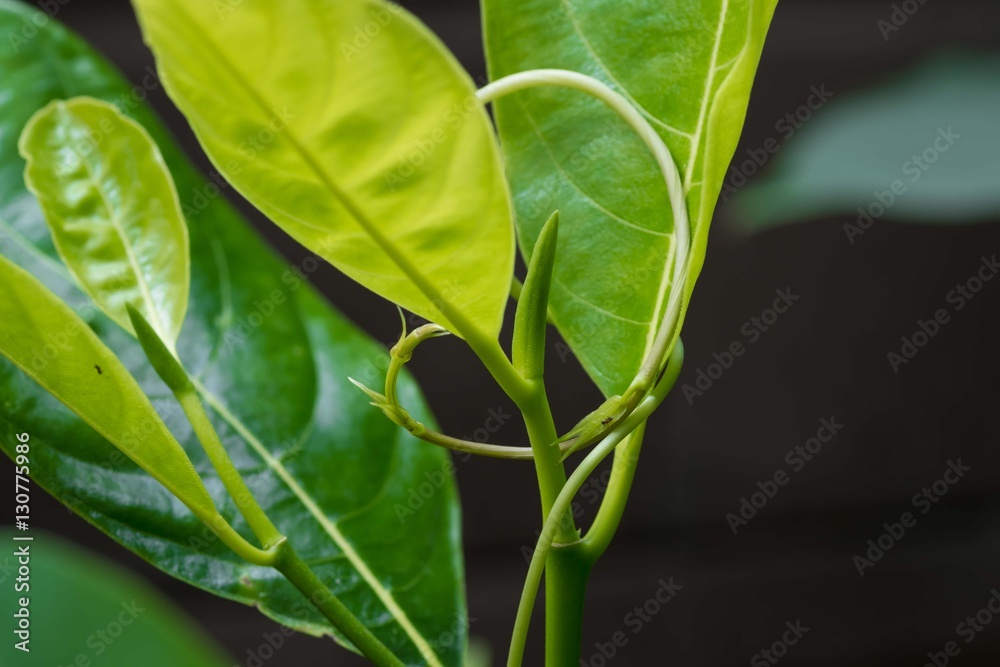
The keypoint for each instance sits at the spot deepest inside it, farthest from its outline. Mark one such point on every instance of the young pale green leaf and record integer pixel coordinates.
(923, 148)
(357, 133)
(528, 352)
(688, 67)
(112, 209)
(270, 358)
(51, 344)
(76, 594)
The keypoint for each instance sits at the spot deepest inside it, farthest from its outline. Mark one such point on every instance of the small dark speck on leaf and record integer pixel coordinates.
(99, 371)
(606, 421)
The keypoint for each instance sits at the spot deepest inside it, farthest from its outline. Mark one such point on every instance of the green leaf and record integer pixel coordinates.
(112, 209)
(688, 67)
(51, 344)
(271, 359)
(933, 131)
(358, 134)
(82, 605)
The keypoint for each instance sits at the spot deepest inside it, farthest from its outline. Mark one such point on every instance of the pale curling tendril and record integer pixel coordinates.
(388, 402)
(597, 425)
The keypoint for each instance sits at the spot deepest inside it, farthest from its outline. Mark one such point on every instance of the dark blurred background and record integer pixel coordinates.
(825, 358)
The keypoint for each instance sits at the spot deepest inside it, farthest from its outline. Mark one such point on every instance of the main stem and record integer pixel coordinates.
(566, 575)
(566, 571)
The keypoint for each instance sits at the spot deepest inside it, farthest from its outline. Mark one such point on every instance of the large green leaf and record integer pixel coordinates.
(272, 360)
(688, 67)
(112, 209)
(355, 131)
(924, 148)
(86, 611)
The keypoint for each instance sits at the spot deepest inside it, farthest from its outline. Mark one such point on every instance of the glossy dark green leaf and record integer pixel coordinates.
(924, 148)
(688, 67)
(83, 605)
(359, 134)
(271, 359)
(112, 209)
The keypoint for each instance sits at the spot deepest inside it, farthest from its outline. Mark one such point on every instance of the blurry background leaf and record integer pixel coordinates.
(272, 360)
(82, 605)
(112, 209)
(862, 143)
(689, 70)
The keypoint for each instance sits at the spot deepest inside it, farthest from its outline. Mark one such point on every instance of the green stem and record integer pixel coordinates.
(609, 516)
(563, 501)
(251, 510)
(566, 573)
(291, 565)
(565, 583)
(548, 457)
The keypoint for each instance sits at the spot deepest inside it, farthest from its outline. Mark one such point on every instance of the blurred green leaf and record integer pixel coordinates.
(88, 611)
(933, 135)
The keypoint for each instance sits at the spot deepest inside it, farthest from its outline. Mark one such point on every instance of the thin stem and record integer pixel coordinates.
(565, 498)
(399, 355)
(291, 565)
(565, 585)
(609, 516)
(548, 457)
(232, 539)
(237, 488)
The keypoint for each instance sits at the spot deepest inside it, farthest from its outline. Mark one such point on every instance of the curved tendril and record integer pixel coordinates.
(597, 425)
(399, 355)
(569, 491)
